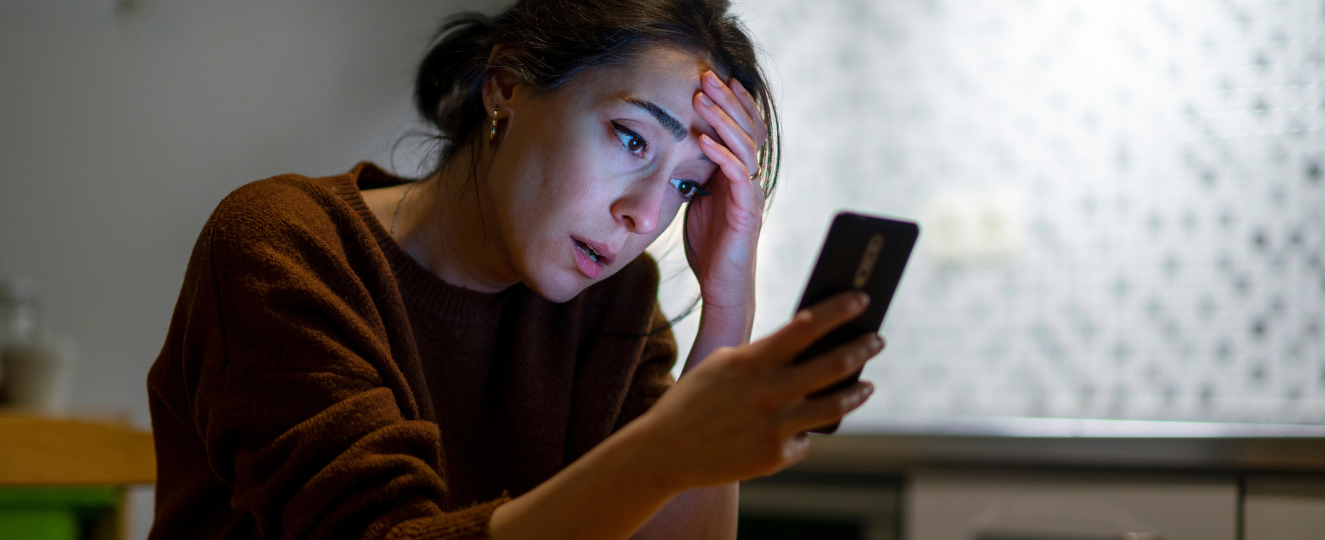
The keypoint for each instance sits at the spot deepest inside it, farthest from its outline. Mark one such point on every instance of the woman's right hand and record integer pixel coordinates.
(740, 413)
(743, 412)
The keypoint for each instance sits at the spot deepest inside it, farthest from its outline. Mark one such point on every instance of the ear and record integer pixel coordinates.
(502, 90)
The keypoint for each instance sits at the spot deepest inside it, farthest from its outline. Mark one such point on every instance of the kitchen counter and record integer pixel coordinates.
(897, 444)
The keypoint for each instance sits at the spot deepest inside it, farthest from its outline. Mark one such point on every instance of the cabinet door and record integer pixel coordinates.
(987, 506)
(817, 510)
(1285, 508)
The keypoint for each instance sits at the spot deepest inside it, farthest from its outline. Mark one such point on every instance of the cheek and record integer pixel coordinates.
(556, 182)
(583, 181)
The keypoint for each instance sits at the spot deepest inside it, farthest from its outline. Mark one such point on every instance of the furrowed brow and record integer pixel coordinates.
(669, 122)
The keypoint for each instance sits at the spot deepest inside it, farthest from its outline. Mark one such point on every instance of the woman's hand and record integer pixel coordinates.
(722, 229)
(744, 411)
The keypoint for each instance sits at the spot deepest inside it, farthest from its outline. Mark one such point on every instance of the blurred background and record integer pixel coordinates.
(1122, 202)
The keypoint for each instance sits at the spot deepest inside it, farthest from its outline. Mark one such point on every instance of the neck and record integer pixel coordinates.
(447, 223)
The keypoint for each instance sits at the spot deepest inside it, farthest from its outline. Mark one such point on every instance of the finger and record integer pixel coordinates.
(732, 168)
(810, 324)
(828, 408)
(726, 98)
(795, 449)
(827, 369)
(733, 136)
(745, 195)
(748, 101)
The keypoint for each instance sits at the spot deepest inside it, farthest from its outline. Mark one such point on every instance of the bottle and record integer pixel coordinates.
(18, 321)
(35, 368)
(18, 311)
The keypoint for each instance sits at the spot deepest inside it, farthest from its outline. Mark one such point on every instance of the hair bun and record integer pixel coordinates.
(452, 72)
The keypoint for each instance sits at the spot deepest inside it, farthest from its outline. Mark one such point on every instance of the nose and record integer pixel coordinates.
(641, 207)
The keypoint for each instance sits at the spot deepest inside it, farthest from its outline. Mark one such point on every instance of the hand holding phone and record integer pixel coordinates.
(743, 411)
(861, 252)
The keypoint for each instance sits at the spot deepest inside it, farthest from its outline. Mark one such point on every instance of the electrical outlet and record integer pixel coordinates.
(974, 225)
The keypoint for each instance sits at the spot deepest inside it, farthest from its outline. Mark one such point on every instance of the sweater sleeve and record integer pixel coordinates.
(290, 386)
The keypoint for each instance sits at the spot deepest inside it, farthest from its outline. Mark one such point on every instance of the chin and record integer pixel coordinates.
(560, 288)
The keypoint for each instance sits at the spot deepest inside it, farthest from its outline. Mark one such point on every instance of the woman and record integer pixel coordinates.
(480, 353)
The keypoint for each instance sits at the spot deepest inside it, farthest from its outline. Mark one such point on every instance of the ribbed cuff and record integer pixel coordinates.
(467, 524)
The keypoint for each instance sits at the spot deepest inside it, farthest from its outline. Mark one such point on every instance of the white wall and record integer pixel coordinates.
(1170, 160)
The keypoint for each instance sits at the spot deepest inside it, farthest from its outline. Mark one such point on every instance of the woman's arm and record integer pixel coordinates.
(739, 414)
(723, 256)
(699, 513)
(278, 403)
(720, 327)
(606, 494)
(707, 512)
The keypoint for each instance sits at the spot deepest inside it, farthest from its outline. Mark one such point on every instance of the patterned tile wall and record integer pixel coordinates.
(1172, 162)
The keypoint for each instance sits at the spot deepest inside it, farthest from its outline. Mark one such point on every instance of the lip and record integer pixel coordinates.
(590, 268)
(606, 254)
(587, 266)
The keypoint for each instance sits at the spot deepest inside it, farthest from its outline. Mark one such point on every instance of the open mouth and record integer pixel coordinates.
(588, 251)
(591, 258)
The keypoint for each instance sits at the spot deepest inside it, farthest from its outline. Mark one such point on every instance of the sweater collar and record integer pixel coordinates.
(418, 285)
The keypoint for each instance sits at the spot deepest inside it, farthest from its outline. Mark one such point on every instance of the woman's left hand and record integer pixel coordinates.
(723, 228)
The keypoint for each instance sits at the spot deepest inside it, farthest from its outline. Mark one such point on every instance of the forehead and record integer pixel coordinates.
(667, 76)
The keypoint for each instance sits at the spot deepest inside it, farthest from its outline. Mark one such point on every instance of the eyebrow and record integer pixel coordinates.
(668, 121)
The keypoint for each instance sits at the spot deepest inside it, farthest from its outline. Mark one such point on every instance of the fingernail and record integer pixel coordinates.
(739, 87)
(708, 140)
(877, 342)
(860, 301)
(713, 78)
(868, 390)
(705, 100)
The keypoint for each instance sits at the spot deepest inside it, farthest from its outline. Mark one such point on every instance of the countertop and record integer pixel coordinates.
(890, 445)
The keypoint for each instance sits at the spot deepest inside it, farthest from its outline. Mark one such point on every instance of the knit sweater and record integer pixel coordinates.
(318, 382)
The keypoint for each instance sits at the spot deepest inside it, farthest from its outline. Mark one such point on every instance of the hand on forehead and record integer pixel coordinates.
(665, 78)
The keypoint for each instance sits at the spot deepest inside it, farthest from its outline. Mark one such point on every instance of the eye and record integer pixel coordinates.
(630, 140)
(689, 189)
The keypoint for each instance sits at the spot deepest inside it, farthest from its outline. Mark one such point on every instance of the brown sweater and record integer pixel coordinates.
(317, 382)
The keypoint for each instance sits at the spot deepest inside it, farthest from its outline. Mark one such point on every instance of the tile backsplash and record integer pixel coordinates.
(1169, 163)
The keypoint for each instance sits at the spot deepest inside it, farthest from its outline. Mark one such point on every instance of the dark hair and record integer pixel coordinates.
(545, 43)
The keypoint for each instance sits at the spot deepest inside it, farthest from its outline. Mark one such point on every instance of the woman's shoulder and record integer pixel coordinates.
(286, 211)
(288, 199)
(291, 228)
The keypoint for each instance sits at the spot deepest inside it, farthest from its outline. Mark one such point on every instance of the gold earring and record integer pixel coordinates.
(493, 135)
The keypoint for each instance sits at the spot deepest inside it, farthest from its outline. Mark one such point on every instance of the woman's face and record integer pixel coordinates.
(587, 176)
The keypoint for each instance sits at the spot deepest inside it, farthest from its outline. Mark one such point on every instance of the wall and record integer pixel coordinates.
(1165, 163)
(121, 128)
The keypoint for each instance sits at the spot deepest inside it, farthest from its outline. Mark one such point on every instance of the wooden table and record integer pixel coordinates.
(62, 473)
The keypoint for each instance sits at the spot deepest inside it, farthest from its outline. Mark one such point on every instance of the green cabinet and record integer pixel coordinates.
(58, 513)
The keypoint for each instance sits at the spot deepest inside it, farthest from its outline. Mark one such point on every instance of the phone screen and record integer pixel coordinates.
(862, 252)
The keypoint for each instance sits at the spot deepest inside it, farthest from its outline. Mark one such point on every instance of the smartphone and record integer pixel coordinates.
(861, 252)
